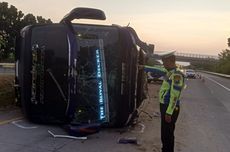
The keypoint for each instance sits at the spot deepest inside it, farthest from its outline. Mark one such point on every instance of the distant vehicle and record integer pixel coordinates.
(190, 73)
(152, 77)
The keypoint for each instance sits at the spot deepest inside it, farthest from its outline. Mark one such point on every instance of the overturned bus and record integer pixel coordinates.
(80, 73)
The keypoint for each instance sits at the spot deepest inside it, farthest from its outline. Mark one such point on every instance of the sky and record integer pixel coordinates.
(187, 26)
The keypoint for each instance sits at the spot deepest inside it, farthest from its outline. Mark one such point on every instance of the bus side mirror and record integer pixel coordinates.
(83, 13)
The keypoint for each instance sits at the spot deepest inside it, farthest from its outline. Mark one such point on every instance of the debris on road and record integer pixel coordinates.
(128, 141)
(83, 129)
(66, 136)
(140, 127)
(156, 114)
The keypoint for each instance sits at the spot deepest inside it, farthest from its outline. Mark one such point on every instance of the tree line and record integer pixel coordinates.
(221, 66)
(12, 21)
(224, 62)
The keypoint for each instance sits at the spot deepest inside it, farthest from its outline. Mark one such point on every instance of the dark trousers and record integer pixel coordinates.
(167, 129)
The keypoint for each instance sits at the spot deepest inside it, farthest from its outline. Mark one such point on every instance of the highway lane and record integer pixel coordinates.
(203, 126)
(219, 87)
(14, 138)
(218, 79)
(204, 123)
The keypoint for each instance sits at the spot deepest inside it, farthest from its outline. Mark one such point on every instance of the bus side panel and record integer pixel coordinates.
(43, 73)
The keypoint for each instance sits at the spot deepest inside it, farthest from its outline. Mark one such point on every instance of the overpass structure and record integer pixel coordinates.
(192, 58)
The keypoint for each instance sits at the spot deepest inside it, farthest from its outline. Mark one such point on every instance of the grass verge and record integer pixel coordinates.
(7, 94)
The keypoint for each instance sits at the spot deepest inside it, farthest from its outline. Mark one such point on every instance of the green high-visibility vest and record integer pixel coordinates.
(171, 88)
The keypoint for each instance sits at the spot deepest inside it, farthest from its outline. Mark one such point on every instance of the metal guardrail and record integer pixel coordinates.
(199, 56)
(191, 55)
(218, 74)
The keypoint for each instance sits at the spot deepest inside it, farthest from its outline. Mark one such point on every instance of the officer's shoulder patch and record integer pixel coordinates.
(177, 78)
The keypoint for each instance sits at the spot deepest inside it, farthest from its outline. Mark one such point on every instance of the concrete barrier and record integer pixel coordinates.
(7, 65)
(7, 68)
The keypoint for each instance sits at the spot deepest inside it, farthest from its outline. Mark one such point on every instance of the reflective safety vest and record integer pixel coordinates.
(173, 83)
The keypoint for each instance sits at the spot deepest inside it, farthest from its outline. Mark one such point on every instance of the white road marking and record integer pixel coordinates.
(16, 123)
(219, 84)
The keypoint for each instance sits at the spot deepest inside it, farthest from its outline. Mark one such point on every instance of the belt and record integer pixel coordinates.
(176, 108)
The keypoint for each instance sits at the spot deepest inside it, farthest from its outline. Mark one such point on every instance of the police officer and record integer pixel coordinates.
(169, 96)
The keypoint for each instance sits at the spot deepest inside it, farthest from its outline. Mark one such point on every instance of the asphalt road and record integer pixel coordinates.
(203, 126)
(204, 123)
